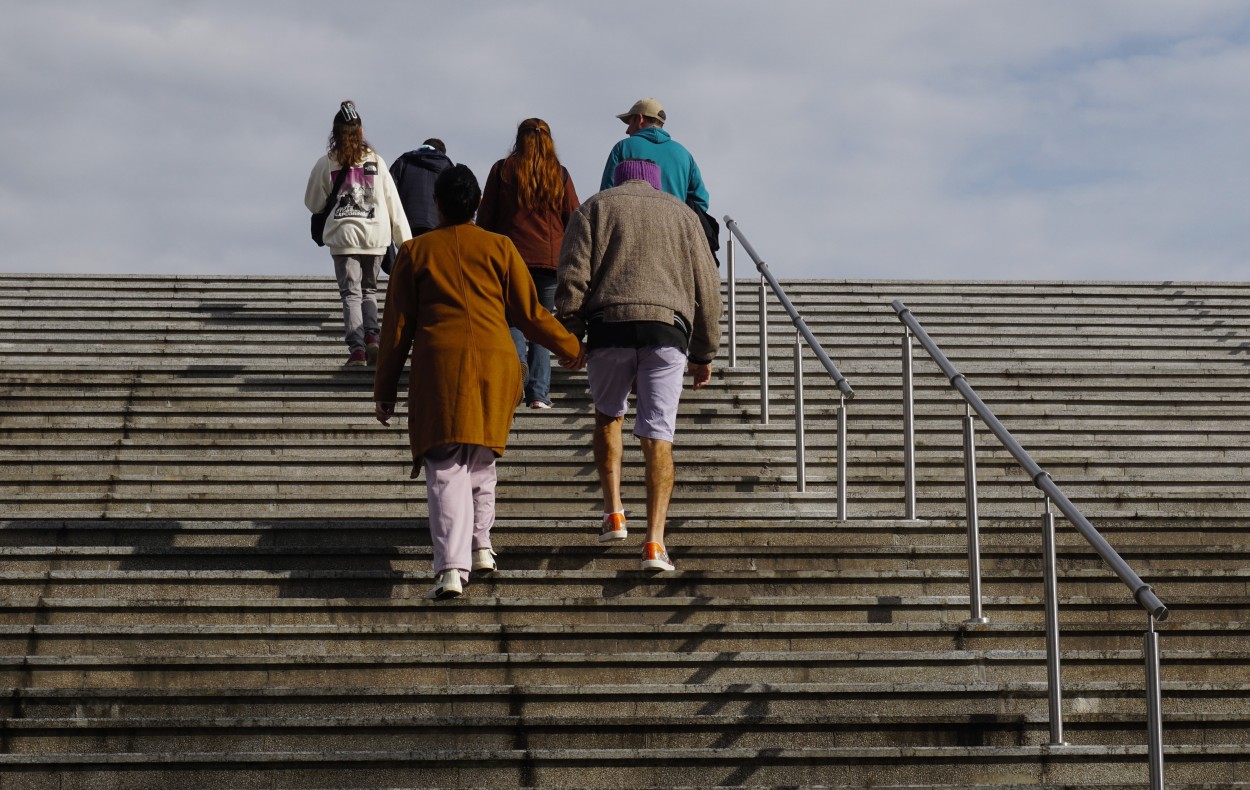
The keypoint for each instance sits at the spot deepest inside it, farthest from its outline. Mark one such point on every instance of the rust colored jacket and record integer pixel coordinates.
(448, 292)
(537, 234)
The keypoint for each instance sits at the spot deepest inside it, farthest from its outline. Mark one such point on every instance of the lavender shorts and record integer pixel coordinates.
(655, 373)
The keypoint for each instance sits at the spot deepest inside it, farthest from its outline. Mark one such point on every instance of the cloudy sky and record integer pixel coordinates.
(960, 139)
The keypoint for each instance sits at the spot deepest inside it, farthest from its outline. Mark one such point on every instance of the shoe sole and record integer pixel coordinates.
(355, 363)
(371, 355)
(657, 565)
(444, 594)
(485, 568)
(611, 537)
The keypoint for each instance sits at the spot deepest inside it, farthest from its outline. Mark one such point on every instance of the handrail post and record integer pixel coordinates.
(1051, 588)
(842, 459)
(800, 453)
(1142, 592)
(1154, 705)
(763, 351)
(974, 529)
(909, 434)
(731, 272)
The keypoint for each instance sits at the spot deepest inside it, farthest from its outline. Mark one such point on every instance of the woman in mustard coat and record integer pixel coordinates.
(446, 303)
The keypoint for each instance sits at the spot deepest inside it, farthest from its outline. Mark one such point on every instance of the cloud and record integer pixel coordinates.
(960, 139)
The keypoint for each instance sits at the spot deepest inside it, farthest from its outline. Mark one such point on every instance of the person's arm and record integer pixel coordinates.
(705, 329)
(700, 372)
(400, 232)
(318, 190)
(397, 172)
(570, 200)
(609, 169)
(696, 190)
(573, 273)
(528, 315)
(488, 210)
(397, 332)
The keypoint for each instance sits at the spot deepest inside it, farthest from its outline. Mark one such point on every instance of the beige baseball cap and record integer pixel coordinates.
(648, 107)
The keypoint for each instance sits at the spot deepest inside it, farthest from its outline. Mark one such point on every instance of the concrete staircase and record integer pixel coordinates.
(214, 565)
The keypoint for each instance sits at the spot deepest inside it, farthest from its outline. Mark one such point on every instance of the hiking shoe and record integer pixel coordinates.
(446, 585)
(484, 560)
(655, 558)
(613, 527)
(538, 404)
(357, 359)
(371, 349)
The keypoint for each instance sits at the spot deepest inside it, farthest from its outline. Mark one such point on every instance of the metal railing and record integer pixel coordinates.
(1142, 592)
(802, 334)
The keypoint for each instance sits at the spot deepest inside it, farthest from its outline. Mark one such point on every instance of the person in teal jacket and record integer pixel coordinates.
(679, 173)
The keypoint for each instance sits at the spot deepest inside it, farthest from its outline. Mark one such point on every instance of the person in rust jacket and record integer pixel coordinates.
(637, 278)
(445, 303)
(529, 198)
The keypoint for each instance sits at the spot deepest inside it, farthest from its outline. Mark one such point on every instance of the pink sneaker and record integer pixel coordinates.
(357, 359)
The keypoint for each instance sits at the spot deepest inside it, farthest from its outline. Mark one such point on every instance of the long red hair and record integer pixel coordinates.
(540, 178)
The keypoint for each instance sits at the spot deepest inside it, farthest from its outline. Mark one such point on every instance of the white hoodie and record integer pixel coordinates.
(367, 216)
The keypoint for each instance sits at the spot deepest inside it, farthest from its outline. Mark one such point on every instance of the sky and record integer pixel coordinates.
(894, 139)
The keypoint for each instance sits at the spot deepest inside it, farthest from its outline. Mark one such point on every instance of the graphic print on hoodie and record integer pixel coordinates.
(357, 197)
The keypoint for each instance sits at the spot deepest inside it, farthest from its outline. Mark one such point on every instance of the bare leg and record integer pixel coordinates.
(608, 452)
(658, 455)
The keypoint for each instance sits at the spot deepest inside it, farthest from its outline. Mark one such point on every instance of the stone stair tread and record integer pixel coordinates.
(869, 754)
(285, 612)
(656, 691)
(624, 630)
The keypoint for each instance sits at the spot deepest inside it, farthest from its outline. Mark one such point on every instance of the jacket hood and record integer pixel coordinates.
(654, 134)
(428, 158)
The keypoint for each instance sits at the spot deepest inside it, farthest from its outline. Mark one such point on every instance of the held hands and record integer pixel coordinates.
(702, 373)
(575, 363)
(383, 411)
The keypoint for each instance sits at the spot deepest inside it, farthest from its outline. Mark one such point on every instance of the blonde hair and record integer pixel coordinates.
(540, 178)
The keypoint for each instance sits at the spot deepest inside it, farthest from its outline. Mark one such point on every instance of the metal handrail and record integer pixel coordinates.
(803, 334)
(1142, 592)
(843, 385)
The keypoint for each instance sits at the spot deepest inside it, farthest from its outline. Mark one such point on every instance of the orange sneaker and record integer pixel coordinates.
(613, 527)
(655, 558)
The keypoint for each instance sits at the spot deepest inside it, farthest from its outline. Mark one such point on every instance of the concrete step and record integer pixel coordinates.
(342, 554)
(372, 733)
(374, 602)
(185, 554)
(64, 630)
(935, 668)
(863, 767)
(1214, 584)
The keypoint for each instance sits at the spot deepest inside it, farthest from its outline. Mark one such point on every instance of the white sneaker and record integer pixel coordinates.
(484, 560)
(446, 585)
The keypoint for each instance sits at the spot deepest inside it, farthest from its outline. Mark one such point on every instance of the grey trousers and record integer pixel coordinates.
(358, 288)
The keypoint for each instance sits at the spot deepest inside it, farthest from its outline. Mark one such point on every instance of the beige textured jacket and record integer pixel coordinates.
(634, 253)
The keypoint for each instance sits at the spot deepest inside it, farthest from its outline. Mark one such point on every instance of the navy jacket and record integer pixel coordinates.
(414, 175)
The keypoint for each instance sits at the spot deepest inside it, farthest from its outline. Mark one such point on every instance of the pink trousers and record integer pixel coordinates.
(460, 492)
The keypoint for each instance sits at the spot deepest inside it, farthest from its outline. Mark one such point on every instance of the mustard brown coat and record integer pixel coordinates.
(446, 303)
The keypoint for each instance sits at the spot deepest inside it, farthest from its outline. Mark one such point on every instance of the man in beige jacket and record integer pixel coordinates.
(637, 279)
